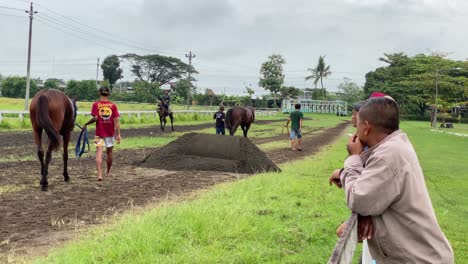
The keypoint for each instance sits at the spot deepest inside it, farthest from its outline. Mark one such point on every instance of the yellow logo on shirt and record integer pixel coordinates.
(105, 111)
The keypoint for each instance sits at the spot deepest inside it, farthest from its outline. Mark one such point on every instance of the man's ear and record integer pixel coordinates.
(367, 128)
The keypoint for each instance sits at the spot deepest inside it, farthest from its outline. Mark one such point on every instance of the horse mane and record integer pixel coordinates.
(44, 121)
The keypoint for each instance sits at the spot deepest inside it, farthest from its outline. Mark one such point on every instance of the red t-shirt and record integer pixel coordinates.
(106, 112)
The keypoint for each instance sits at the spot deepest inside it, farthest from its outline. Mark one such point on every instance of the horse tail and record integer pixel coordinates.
(227, 123)
(43, 119)
(253, 113)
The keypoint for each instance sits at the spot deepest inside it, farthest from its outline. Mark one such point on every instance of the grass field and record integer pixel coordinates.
(12, 122)
(18, 104)
(457, 128)
(287, 217)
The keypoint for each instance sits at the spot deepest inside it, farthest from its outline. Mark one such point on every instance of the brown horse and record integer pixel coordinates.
(51, 110)
(239, 116)
(163, 113)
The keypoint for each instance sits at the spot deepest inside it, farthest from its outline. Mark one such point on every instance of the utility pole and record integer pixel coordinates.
(28, 75)
(434, 120)
(97, 73)
(190, 56)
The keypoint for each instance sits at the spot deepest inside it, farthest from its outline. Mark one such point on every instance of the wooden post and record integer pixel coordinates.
(346, 245)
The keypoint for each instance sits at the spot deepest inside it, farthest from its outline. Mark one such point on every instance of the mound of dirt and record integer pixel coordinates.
(210, 153)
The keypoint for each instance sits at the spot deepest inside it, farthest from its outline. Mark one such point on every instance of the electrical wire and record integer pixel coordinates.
(127, 42)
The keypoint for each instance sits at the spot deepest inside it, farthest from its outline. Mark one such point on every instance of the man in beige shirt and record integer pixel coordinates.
(386, 182)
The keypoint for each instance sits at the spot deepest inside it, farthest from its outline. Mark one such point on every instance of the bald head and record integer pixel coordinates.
(381, 112)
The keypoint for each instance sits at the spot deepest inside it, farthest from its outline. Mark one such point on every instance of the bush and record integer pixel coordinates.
(5, 124)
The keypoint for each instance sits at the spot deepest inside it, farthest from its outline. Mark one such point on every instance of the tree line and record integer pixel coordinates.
(411, 80)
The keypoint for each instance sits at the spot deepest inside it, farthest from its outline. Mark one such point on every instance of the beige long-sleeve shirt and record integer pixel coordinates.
(387, 183)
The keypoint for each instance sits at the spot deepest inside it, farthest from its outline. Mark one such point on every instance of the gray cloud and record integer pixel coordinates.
(231, 38)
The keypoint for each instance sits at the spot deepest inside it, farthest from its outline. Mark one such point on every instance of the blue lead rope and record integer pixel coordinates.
(83, 141)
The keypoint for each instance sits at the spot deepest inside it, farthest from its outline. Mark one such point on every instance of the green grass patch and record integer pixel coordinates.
(10, 188)
(126, 121)
(443, 159)
(15, 158)
(458, 128)
(287, 217)
(276, 217)
(145, 142)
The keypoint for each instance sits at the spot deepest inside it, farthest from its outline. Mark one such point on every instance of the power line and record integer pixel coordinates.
(24, 1)
(127, 43)
(77, 29)
(12, 8)
(74, 35)
(74, 28)
(12, 15)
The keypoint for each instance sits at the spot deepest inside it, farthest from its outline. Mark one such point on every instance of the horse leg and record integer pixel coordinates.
(66, 140)
(172, 123)
(233, 128)
(247, 127)
(40, 150)
(44, 182)
(161, 123)
(164, 121)
(243, 129)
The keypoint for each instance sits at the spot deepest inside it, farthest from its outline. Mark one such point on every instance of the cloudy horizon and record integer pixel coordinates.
(231, 39)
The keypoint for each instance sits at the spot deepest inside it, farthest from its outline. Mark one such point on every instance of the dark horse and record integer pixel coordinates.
(163, 113)
(238, 115)
(51, 110)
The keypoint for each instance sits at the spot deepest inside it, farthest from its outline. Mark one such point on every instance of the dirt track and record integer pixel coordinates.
(32, 221)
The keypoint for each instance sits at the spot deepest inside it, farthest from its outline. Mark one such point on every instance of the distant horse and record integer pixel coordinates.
(51, 110)
(239, 116)
(163, 113)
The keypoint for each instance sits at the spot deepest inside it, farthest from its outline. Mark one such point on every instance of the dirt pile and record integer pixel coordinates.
(210, 153)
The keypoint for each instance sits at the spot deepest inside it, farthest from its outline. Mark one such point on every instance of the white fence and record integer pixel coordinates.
(139, 114)
(345, 247)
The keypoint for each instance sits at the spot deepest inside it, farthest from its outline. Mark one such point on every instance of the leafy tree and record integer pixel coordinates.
(290, 92)
(147, 92)
(313, 76)
(158, 69)
(317, 93)
(83, 90)
(411, 80)
(249, 91)
(319, 72)
(110, 69)
(51, 83)
(272, 74)
(350, 91)
(15, 87)
(211, 95)
(181, 88)
(323, 70)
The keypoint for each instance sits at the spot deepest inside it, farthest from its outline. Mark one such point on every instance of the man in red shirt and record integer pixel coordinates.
(106, 116)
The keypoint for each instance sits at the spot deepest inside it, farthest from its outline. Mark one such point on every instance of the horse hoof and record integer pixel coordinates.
(44, 188)
(66, 179)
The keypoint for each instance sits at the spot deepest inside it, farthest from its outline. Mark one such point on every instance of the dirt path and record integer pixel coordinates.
(31, 221)
(22, 143)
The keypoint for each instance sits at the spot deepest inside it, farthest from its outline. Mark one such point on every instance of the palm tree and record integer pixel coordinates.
(319, 72)
(312, 76)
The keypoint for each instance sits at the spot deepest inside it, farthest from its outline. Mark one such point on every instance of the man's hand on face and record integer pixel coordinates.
(355, 146)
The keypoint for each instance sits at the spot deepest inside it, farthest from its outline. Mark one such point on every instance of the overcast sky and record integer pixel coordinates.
(231, 38)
